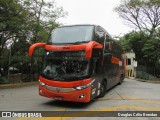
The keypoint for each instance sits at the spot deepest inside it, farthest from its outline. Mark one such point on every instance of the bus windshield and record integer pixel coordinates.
(71, 34)
(63, 67)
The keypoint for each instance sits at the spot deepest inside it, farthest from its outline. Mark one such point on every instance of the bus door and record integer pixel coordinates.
(108, 68)
(96, 72)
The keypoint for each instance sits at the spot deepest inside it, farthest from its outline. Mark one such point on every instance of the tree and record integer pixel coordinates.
(44, 17)
(151, 49)
(23, 22)
(141, 14)
(12, 13)
(134, 41)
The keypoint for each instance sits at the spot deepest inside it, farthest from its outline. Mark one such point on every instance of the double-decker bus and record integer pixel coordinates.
(80, 62)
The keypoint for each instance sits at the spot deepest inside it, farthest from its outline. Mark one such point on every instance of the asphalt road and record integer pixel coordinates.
(132, 95)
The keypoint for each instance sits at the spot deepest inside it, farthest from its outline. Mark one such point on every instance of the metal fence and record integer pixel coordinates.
(147, 72)
(26, 73)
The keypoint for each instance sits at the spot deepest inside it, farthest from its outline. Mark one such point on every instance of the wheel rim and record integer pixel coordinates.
(102, 88)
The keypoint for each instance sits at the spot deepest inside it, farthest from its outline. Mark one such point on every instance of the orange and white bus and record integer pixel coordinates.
(80, 62)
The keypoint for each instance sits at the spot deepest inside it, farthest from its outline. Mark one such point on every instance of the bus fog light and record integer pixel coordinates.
(81, 96)
(40, 91)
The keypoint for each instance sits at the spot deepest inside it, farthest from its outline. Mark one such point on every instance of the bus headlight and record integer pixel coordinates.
(84, 86)
(41, 83)
(81, 87)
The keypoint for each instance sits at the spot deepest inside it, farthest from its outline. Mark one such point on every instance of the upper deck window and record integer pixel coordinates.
(71, 34)
(99, 35)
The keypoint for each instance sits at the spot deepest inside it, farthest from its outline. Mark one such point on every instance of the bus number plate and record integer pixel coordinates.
(57, 98)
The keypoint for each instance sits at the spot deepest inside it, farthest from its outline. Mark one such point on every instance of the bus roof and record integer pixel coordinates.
(86, 25)
(77, 25)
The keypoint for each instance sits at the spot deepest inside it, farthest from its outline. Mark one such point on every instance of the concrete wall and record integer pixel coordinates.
(130, 68)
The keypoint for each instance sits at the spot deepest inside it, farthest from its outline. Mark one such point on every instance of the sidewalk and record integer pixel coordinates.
(143, 80)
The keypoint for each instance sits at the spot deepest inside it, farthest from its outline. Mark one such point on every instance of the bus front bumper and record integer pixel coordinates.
(64, 95)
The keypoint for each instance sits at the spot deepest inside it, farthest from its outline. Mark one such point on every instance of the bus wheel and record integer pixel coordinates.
(121, 80)
(102, 89)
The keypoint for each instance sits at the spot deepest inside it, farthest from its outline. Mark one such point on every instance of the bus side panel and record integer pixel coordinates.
(117, 70)
(108, 70)
(95, 88)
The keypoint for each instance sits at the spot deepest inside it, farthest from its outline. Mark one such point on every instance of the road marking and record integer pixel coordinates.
(129, 98)
(93, 112)
(112, 98)
(140, 100)
(115, 108)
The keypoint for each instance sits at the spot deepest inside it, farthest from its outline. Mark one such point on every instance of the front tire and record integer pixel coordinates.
(121, 80)
(102, 89)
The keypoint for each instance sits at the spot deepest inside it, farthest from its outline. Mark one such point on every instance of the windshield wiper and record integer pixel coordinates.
(58, 78)
(78, 42)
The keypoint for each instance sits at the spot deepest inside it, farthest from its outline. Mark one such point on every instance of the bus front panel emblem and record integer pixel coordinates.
(57, 89)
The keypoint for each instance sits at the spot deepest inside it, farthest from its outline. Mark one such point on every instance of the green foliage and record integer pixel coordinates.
(147, 49)
(144, 15)
(12, 13)
(44, 16)
(140, 14)
(22, 23)
(151, 50)
(3, 80)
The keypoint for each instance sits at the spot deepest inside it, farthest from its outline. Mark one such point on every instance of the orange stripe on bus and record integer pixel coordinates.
(115, 60)
(88, 47)
(70, 84)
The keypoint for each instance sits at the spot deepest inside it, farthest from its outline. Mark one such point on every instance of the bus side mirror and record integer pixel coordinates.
(32, 47)
(108, 46)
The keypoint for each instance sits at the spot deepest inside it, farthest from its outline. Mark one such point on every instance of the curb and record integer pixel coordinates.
(150, 81)
(18, 85)
(142, 80)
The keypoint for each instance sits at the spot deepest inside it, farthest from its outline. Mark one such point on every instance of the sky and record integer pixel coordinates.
(99, 12)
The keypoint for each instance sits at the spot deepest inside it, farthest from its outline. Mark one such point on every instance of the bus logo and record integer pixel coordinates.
(57, 89)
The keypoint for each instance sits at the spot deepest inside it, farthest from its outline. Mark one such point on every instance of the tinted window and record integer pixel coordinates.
(117, 49)
(108, 46)
(128, 61)
(113, 47)
(71, 34)
(65, 65)
(99, 35)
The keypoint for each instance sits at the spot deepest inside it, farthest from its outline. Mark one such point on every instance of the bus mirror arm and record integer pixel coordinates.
(32, 47)
(90, 47)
